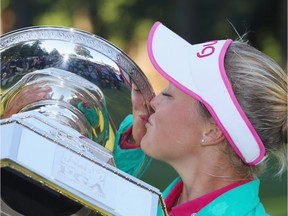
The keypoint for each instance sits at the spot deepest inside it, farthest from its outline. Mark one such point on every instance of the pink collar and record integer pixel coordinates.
(193, 206)
(123, 141)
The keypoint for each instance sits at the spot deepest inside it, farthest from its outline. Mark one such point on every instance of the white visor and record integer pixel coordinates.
(199, 71)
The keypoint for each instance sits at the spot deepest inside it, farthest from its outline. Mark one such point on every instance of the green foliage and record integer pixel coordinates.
(276, 206)
(126, 22)
(4, 4)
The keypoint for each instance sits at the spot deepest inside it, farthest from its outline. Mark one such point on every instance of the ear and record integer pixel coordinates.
(212, 135)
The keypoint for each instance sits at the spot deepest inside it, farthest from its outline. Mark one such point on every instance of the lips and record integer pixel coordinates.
(144, 117)
(148, 122)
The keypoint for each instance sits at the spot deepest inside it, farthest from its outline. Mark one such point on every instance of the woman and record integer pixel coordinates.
(127, 152)
(223, 114)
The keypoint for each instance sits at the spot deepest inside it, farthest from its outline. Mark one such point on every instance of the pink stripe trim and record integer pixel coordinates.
(149, 45)
(179, 85)
(159, 69)
(239, 108)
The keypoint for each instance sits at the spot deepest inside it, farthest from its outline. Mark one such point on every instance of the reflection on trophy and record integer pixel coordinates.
(64, 93)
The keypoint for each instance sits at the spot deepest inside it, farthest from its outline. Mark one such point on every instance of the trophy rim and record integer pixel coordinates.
(86, 39)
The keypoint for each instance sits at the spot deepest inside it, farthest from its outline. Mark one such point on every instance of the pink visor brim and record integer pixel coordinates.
(199, 71)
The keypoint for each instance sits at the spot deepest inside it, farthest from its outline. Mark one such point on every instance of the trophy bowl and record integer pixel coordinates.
(76, 78)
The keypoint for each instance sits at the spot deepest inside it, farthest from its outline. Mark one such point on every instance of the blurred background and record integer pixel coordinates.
(126, 24)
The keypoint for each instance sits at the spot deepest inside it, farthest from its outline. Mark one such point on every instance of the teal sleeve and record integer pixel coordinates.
(132, 161)
(242, 200)
(90, 113)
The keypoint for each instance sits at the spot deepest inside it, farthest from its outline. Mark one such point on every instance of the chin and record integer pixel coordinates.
(145, 145)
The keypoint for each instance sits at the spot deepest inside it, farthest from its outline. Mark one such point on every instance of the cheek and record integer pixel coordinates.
(137, 101)
(135, 105)
(160, 137)
(172, 135)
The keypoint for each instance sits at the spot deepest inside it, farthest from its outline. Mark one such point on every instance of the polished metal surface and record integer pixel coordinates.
(74, 77)
(65, 53)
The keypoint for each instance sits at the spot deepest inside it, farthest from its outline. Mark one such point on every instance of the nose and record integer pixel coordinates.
(153, 103)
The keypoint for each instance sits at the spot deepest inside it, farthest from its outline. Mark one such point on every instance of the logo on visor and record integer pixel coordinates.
(208, 49)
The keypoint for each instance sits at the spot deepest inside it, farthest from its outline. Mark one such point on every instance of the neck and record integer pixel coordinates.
(201, 186)
(202, 178)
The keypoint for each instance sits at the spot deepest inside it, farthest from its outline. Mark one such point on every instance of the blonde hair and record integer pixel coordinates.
(260, 86)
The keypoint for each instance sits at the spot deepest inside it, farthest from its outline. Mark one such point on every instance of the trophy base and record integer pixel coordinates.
(47, 169)
(19, 192)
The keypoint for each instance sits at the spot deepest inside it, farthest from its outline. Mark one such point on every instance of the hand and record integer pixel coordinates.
(25, 97)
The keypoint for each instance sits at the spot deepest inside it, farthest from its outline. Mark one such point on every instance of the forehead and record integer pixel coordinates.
(173, 88)
(186, 99)
(185, 107)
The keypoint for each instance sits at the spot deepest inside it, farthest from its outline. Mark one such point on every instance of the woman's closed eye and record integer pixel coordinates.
(135, 88)
(165, 93)
(137, 93)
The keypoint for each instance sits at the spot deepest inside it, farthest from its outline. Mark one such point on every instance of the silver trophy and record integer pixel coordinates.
(64, 93)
